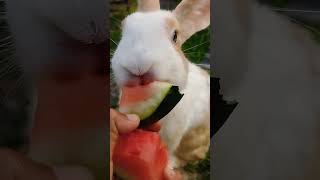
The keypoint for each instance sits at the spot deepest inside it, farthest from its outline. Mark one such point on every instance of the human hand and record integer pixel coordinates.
(120, 124)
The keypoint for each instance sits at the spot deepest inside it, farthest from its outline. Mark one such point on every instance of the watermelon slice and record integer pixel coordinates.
(150, 102)
(140, 155)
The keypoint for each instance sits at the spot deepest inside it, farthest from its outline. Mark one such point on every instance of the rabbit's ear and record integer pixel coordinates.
(148, 5)
(193, 16)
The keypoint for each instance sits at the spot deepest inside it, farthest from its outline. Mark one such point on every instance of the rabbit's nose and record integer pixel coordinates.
(140, 80)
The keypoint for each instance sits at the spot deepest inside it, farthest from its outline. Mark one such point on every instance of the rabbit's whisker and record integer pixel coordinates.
(117, 21)
(196, 46)
(192, 52)
(113, 42)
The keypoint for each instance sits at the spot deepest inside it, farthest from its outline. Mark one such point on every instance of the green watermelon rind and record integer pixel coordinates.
(156, 107)
(168, 103)
(145, 108)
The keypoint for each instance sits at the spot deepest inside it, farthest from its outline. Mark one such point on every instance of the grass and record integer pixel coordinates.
(197, 46)
(201, 168)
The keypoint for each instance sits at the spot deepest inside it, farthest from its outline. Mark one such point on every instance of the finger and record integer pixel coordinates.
(126, 123)
(112, 122)
(120, 123)
(113, 130)
(111, 170)
(156, 127)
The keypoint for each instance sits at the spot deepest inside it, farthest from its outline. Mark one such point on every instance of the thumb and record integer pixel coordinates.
(127, 124)
(119, 124)
(123, 123)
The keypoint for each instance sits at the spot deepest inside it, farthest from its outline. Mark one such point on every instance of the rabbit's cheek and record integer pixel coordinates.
(183, 58)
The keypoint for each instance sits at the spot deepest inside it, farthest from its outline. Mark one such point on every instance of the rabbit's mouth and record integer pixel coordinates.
(141, 80)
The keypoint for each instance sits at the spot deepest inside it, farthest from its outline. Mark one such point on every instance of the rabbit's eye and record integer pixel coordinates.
(175, 36)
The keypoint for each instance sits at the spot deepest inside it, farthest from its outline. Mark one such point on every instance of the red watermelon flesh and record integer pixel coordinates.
(140, 155)
(135, 94)
(150, 102)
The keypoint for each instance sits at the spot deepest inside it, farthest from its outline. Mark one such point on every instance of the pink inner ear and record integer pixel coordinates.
(193, 16)
(148, 5)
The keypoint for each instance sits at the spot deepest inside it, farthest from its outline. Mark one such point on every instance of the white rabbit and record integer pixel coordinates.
(48, 35)
(150, 47)
(271, 67)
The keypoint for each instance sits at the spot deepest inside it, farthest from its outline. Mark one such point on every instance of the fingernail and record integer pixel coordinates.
(132, 117)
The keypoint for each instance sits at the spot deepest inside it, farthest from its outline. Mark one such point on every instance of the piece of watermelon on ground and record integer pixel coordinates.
(140, 155)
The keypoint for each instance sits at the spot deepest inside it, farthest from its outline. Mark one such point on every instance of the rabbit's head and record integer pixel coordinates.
(150, 47)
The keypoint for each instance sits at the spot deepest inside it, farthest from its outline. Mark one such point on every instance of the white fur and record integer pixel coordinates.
(265, 67)
(146, 46)
(188, 113)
